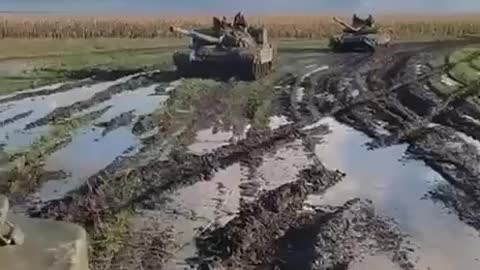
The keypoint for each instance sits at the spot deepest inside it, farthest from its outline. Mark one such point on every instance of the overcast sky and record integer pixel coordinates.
(251, 6)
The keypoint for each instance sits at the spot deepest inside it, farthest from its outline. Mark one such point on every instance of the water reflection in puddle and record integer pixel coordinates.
(88, 153)
(207, 140)
(190, 213)
(397, 190)
(14, 135)
(374, 263)
(278, 121)
(140, 100)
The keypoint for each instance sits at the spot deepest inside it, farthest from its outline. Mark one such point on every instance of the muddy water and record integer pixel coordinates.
(90, 151)
(374, 263)
(442, 241)
(213, 203)
(141, 101)
(13, 134)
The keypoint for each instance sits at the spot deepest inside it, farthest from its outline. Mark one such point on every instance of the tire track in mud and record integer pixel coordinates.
(46, 92)
(138, 81)
(397, 105)
(259, 233)
(111, 191)
(15, 118)
(123, 119)
(180, 169)
(249, 237)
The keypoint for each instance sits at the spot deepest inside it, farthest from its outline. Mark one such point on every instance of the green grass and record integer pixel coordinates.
(43, 48)
(464, 65)
(27, 64)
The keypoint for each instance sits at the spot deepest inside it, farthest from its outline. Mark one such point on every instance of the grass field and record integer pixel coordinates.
(30, 63)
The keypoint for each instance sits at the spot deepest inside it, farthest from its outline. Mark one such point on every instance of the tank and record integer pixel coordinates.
(246, 54)
(30, 244)
(358, 39)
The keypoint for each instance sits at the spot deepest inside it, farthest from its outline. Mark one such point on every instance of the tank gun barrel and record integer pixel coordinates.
(194, 34)
(344, 24)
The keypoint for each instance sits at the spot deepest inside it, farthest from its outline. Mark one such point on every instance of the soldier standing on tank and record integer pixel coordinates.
(239, 21)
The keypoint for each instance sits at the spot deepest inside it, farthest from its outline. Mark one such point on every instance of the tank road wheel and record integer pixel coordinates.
(255, 71)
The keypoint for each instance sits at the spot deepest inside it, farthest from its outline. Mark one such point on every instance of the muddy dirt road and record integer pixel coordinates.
(347, 161)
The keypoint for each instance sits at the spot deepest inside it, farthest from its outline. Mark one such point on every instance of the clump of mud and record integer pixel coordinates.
(15, 118)
(123, 119)
(248, 238)
(332, 238)
(443, 149)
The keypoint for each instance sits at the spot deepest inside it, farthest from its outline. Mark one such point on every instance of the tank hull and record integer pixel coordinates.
(349, 42)
(241, 63)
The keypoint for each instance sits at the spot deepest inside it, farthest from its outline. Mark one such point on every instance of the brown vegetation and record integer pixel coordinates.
(312, 27)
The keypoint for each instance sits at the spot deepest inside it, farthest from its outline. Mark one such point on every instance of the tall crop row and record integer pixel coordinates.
(311, 27)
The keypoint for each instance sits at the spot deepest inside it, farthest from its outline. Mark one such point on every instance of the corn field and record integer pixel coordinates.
(309, 27)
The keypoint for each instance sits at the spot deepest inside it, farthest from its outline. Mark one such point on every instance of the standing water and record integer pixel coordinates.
(396, 189)
(91, 149)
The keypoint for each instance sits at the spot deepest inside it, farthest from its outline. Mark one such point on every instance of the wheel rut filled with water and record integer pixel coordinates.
(349, 161)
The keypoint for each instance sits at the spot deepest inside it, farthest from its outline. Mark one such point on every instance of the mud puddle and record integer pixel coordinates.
(140, 101)
(211, 204)
(13, 133)
(208, 139)
(93, 148)
(88, 153)
(374, 263)
(398, 190)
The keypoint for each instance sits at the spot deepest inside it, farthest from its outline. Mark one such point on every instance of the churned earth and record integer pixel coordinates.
(333, 161)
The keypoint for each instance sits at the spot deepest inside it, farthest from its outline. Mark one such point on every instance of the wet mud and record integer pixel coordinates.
(249, 237)
(290, 207)
(15, 118)
(388, 97)
(47, 91)
(124, 119)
